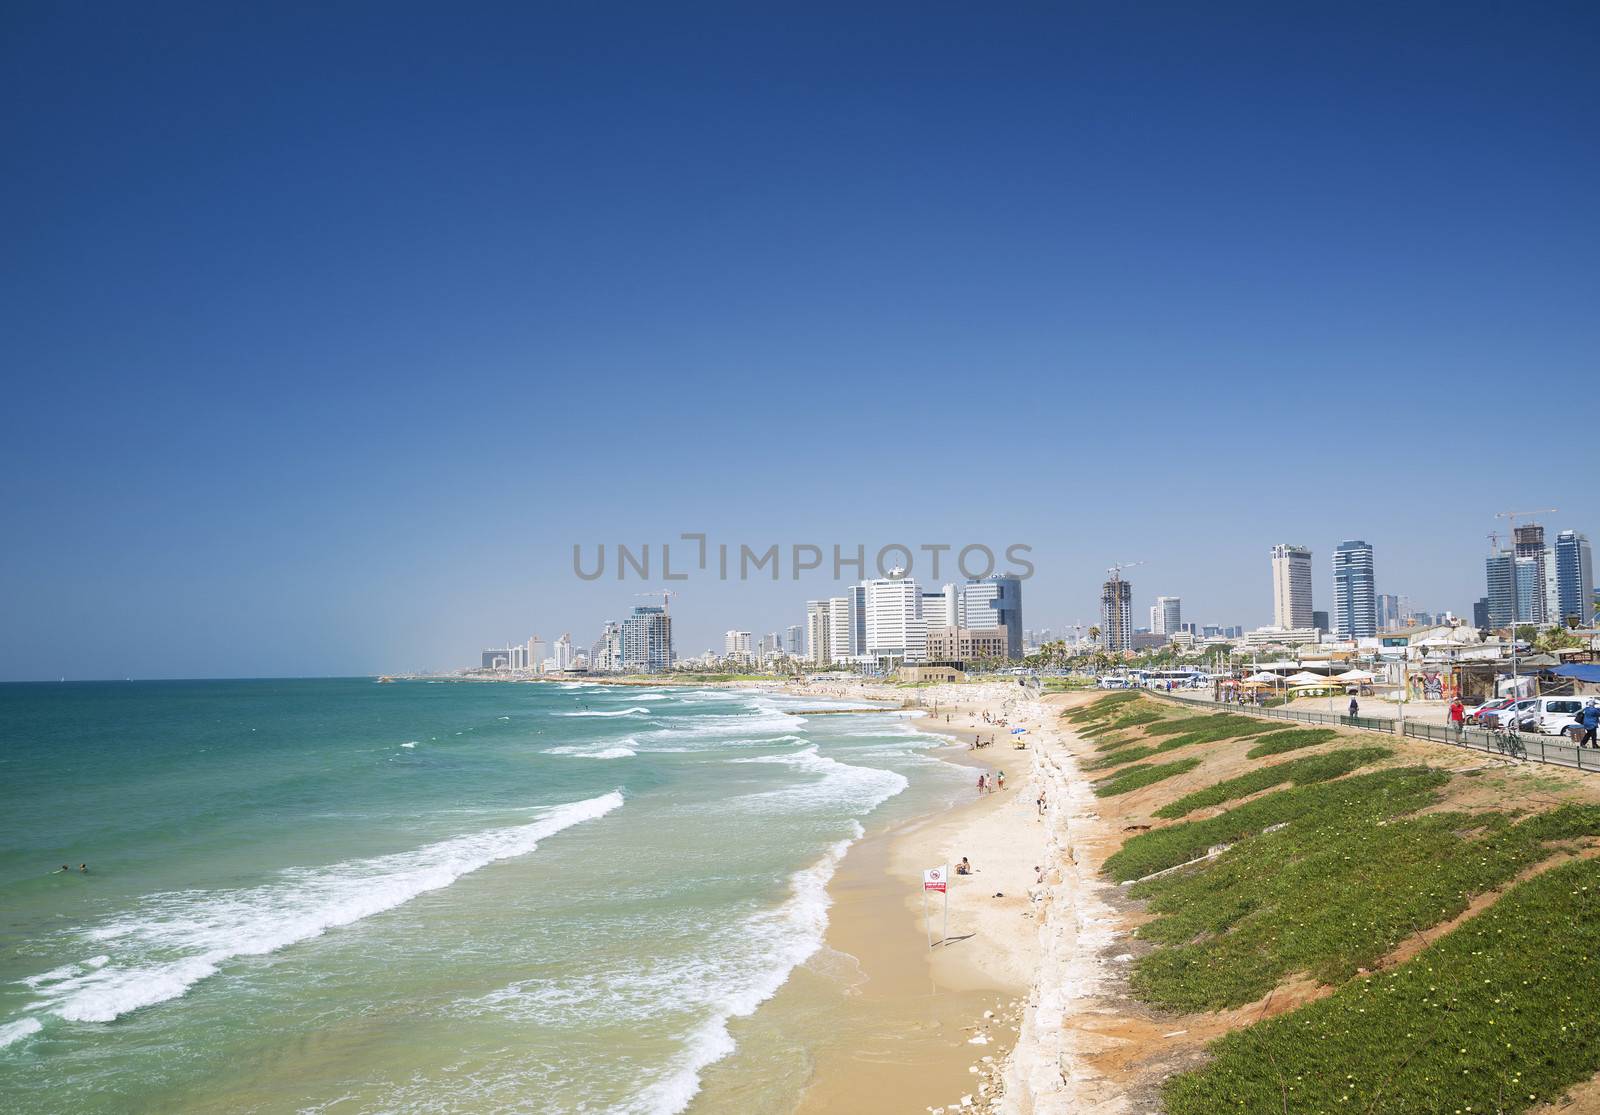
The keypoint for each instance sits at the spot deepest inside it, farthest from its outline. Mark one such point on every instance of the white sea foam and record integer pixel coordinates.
(410, 743)
(637, 710)
(741, 965)
(860, 789)
(621, 751)
(174, 940)
(580, 685)
(16, 1031)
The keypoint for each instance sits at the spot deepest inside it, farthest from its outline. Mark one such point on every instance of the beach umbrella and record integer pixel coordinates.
(1305, 677)
(1356, 675)
(1264, 676)
(1018, 731)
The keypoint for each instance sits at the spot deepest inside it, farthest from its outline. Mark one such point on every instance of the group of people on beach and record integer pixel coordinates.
(988, 784)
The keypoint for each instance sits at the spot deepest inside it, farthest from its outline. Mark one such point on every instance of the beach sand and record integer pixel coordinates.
(925, 1026)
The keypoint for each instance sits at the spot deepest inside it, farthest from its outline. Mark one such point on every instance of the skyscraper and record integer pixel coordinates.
(1166, 618)
(840, 629)
(797, 644)
(1480, 613)
(1291, 586)
(995, 602)
(647, 639)
(1388, 611)
(736, 644)
(818, 644)
(1529, 545)
(1355, 604)
(1573, 575)
(1500, 578)
(895, 628)
(1116, 615)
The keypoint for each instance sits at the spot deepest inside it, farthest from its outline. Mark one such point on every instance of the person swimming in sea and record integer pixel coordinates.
(83, 869)
(61, 869)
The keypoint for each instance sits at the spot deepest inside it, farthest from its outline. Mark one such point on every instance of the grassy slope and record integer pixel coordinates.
(1499, 1015)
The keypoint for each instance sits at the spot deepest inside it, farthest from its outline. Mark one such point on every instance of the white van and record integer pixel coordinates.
(1550, 716)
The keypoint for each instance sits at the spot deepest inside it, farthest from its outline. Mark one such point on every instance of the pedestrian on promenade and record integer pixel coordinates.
(1590, 719)
(1458, 717)
(1355, 708)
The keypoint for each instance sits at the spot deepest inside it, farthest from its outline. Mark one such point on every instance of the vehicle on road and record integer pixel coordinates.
(1475, 714)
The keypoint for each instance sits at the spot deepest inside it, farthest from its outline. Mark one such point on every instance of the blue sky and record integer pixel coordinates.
(329, 330)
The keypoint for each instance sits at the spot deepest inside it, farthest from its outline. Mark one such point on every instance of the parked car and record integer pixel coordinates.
(1475, 715)
(1551, 716)
(1512, 714)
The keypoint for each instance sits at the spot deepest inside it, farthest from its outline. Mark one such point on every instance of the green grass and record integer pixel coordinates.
(1327, 899)
(1225, 722)
(1293, 740)
(1302, 772)
(1498, 1016)
(1214, 728)
(1364, 798)
(1136, 777)
(1101, 708)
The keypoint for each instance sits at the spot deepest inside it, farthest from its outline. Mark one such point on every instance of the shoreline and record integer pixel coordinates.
(930, 1027)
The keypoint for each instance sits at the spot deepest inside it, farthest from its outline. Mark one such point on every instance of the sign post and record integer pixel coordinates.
(935, 878)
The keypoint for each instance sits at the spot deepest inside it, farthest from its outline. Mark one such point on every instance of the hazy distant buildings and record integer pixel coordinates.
(1532, 571)
(1291, 586)
(562, 652)
(1480, 613)
(1116, 615)
(647, 639)
(1355, 605)
(497, 659)
(1319, 620)
(797, 641)
(1389, 616)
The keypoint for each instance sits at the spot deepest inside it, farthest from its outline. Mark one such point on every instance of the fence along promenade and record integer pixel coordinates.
(1540, 748)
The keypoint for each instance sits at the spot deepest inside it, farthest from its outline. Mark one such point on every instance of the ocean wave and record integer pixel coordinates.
(174, 940)
(16, 1031)
(860, 789)
(621, 751)
(741, 965)
(409, 743)
(637, 710)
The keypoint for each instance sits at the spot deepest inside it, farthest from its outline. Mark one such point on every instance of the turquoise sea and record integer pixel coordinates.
(429, 896)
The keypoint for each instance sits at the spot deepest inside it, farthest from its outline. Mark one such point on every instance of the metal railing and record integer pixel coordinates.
(1539, 748)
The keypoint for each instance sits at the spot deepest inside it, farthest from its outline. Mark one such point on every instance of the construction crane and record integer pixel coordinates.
(1117, 568)
(1494, 542)
(664, 594)
(1513, 516)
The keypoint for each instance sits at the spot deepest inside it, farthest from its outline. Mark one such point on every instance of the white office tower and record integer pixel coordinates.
(1155, 620)
(1171, 614)
(839, 628)
(895, 628)
(1570, 591)
(942, 607)
(562, 652)
(536, 652)
(1291, 586)
(818, 613)
(736, 644)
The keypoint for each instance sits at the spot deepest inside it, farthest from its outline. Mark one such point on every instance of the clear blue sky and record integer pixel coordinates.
(329, 329)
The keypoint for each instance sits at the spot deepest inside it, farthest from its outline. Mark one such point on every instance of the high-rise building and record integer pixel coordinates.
(647, 639)
(995, 602)
(1480, 613)
(1572, 572)
(818, 616)
(562, 652)
(840, 645)
(497, 659)
(1166, 617)
(1355, 604)
(536, 652)
(1116, 615)
(1319, 620)
(894, 625)
(941, 607)
(1291, 586)
(1500, 574)
(857, 594)
(606, 652)
(736, 644)
(797, 641)
(1533, 571)
(1528, 577)
(1388, 611)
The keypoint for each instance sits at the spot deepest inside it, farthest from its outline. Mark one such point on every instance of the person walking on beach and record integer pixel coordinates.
(980, 783)
(1041, 803)
(1458, 717)
(1001, 778)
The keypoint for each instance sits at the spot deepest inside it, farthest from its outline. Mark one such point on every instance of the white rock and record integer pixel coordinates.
(988, 1014)
(981, 1039)
(966, 1101)
(988, 1060)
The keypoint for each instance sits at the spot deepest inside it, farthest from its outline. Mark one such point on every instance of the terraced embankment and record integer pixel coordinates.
(1315, 920)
